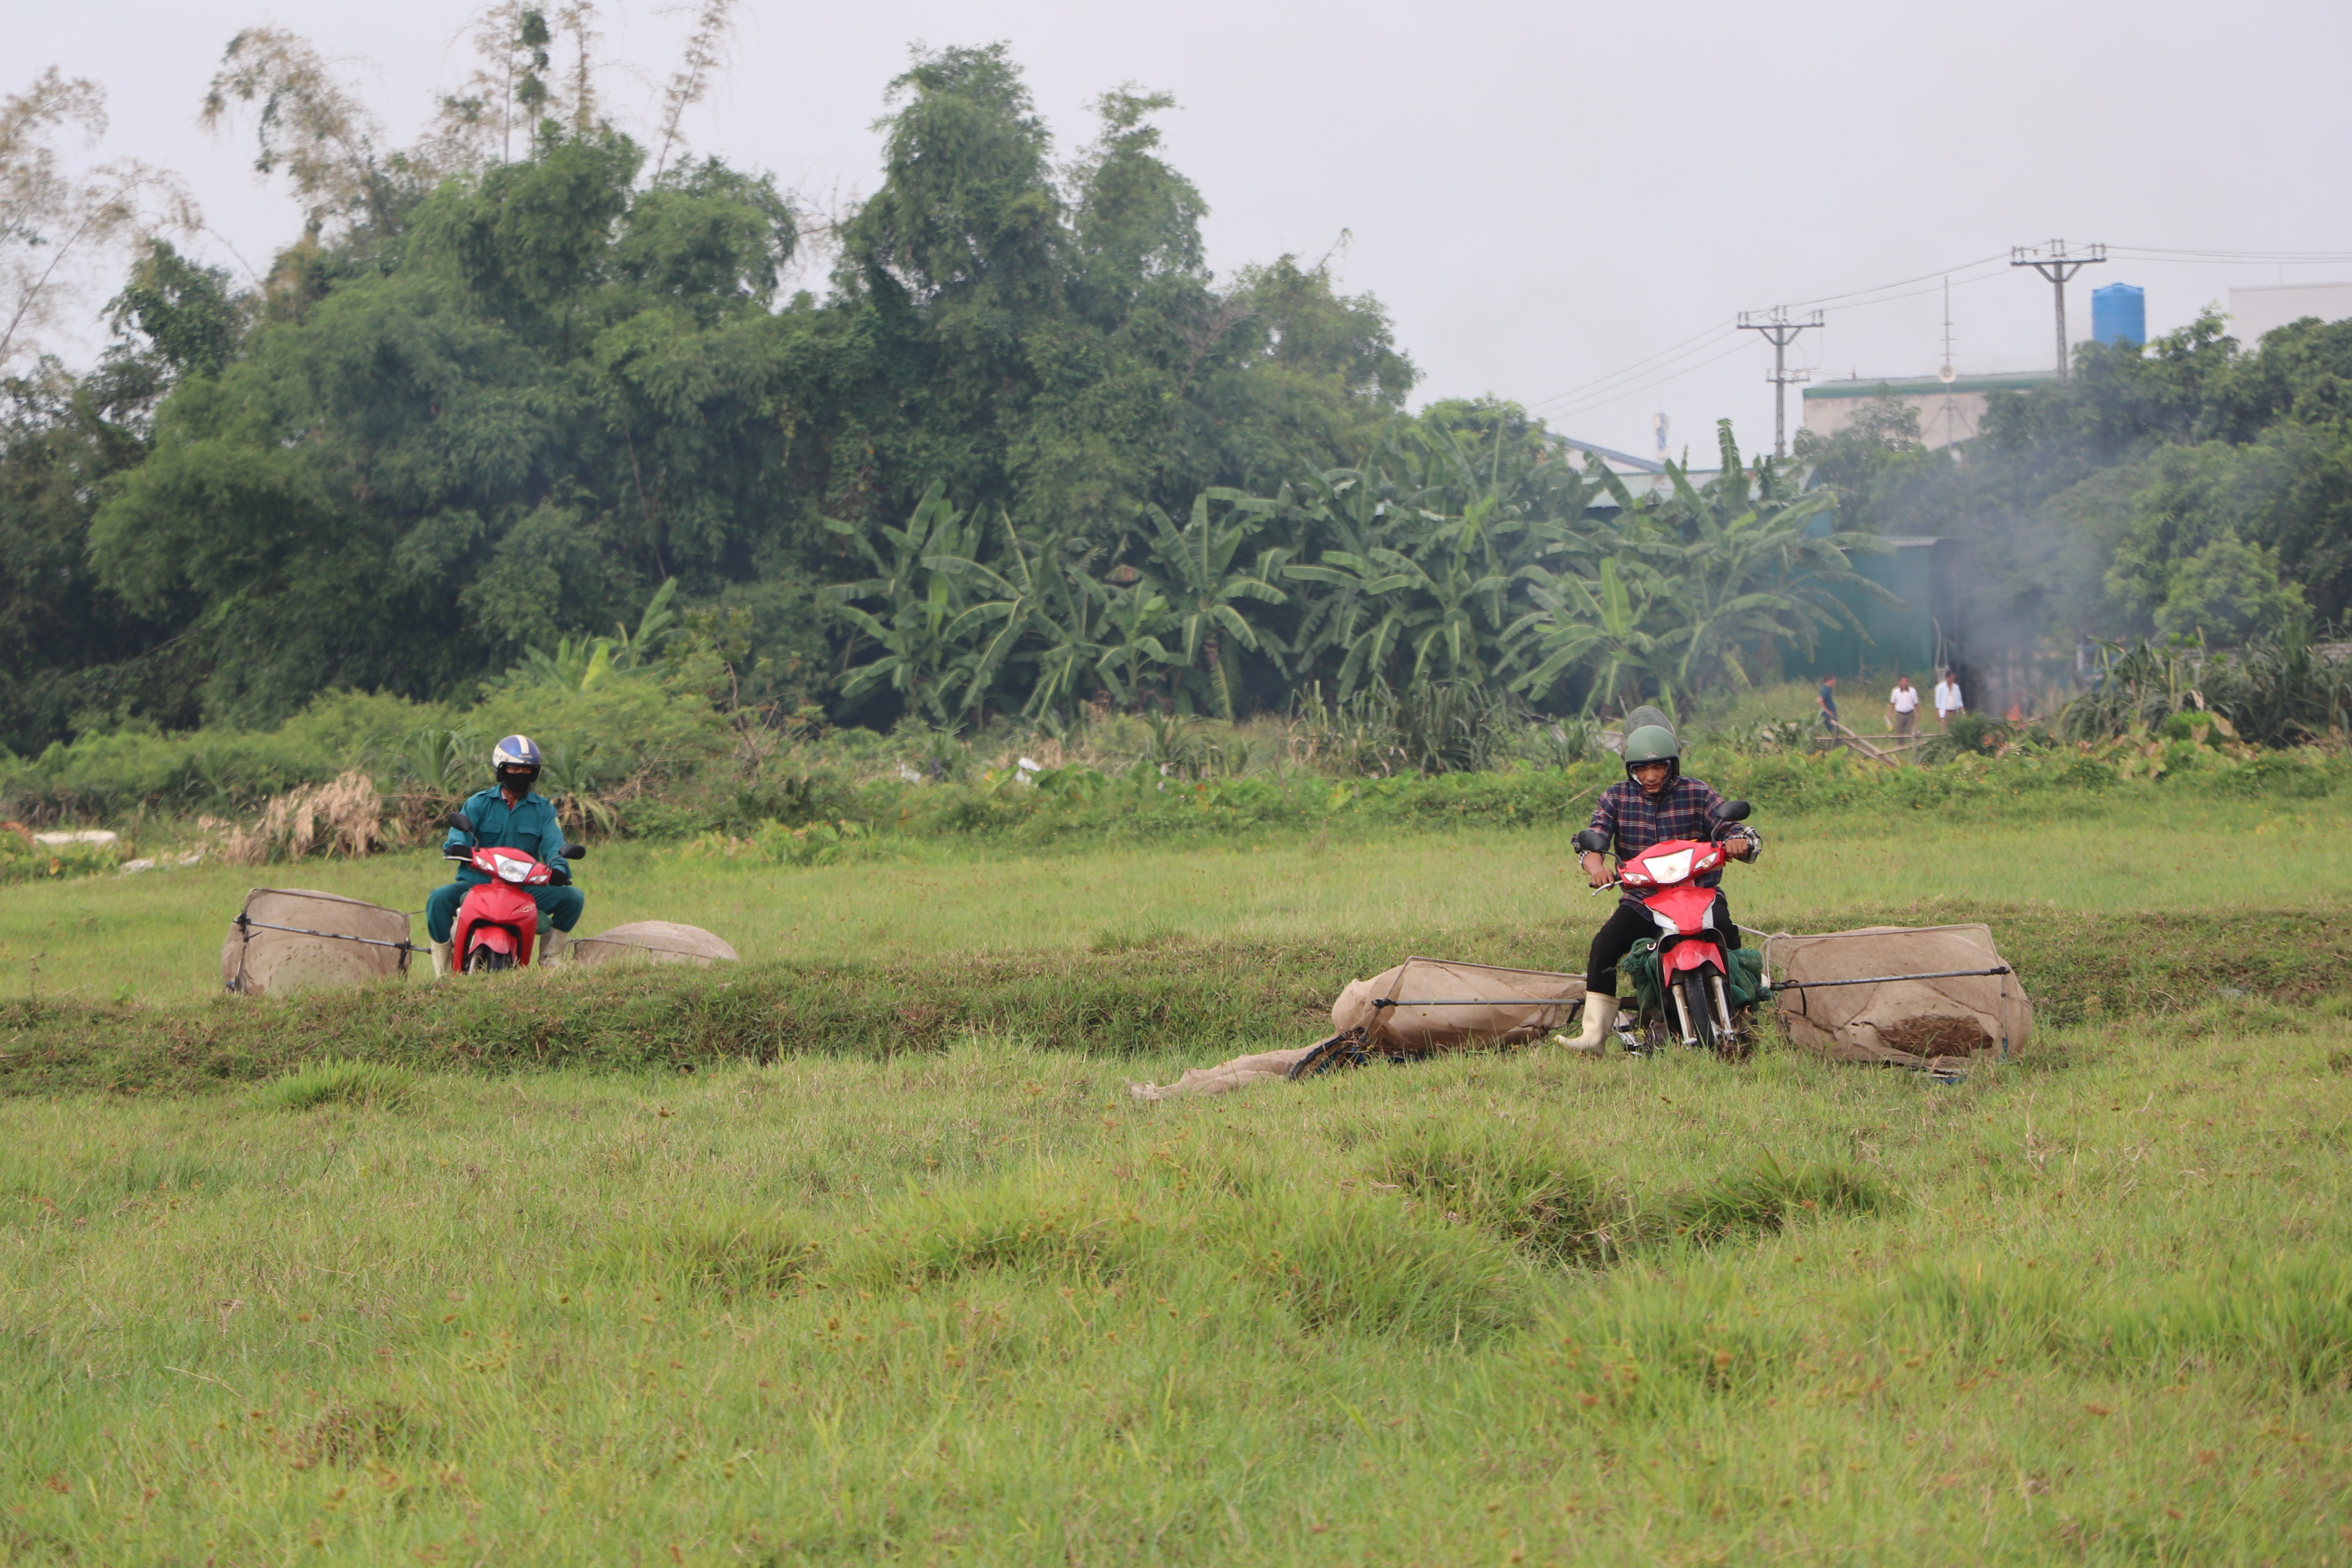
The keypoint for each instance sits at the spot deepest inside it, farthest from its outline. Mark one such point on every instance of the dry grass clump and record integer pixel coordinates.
(341, 817)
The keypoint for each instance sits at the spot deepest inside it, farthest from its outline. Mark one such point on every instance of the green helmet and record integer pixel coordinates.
(1653, 743)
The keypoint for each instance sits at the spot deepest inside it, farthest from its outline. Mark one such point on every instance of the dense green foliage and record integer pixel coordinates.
(530, 402)
(1463, 554)
(649, 757)
(2194, 487)
(1026, 454)
(506, 408)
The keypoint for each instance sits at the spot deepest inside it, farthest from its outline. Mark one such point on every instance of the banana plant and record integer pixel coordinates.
(1034, 597)
(1443, 605)
(1379, 618)
(1195, 575)
(1356, 512)
(573, 666)
(1134, 615)
(587, 663)
(1743, 568)
(1595, 628)
(632, 650)
(1069, 624)
(915, 634)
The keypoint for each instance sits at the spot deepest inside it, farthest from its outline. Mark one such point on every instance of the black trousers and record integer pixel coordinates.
(1630, 923)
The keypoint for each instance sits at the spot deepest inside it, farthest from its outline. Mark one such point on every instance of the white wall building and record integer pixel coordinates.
(1948, 413)
(2268, 306)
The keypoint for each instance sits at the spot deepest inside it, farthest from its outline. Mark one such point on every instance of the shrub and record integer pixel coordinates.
(23, 860)
(343, 816)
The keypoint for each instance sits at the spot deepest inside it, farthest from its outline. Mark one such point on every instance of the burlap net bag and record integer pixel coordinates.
(256, 959)
(1381, 1017)
(652, 941)
(1931, 1024)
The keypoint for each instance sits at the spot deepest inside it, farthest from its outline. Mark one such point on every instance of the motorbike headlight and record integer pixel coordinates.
(1671, 867)
(510, 871)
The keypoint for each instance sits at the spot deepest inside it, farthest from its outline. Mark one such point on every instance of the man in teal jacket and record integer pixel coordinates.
(509, 814)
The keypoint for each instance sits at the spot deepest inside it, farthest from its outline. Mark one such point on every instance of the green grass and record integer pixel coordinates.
(1160, 1006)
(859, 1249)
(336, 1082)
(979, 1306)
(2127, 912)
(157, 937)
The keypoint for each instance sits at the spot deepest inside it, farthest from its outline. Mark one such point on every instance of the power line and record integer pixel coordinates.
(1645, 374)
(2154, 253)
(1698, 341)
(1642, 367)
(1898, 283)
(1780, 331)
(1602, 400)
(1601, 393)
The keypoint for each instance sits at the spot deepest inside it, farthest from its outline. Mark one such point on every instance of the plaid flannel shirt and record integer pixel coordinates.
(1637, 819)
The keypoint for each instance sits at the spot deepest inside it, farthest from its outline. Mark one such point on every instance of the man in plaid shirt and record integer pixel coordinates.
(1654, 804)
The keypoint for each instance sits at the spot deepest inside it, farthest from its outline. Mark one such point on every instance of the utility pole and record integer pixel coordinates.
(1947, 374)
(1779, 331)
(2053, 262)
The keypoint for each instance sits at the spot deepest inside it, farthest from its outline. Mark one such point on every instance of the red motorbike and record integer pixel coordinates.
(1692, 966)
(498, 924)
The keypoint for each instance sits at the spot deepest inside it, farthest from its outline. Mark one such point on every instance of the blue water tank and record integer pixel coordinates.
(2119, 314)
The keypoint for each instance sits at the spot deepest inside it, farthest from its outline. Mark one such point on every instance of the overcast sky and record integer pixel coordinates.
(1542, 195)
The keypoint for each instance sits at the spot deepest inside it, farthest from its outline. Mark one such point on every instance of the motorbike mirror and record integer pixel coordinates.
(574, 851)
(459, 820)
(1730, 811)
(1592, 841)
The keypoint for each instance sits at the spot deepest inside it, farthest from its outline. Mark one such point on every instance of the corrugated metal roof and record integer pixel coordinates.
(1610, 455)
(1930, 386)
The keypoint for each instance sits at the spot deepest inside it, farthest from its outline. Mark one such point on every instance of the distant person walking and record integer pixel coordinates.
(1903, 708)
(1948, 699)
(1828, 700)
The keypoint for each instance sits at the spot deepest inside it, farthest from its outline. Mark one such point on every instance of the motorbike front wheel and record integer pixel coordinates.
(1698, 1006)
(488, 961)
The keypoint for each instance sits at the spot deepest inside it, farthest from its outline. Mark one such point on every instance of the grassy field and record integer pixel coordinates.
(157, 937)
(979, 1306)
(930, 1286)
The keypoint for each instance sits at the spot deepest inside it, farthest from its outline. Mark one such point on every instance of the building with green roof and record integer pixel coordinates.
(1949, 412)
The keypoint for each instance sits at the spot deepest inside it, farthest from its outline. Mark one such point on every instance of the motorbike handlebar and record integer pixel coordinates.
(556, 878)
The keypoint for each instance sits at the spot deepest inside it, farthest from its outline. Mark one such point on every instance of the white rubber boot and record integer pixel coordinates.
(555, 948)
(1600, 1012)
(443, 956)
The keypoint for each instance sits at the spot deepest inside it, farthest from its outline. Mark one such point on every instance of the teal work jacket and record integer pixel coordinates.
(529, 826)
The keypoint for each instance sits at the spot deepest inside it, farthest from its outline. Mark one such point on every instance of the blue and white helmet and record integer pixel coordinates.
(515, 753)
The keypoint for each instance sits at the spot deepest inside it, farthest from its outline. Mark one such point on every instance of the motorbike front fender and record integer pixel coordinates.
(1685, 956)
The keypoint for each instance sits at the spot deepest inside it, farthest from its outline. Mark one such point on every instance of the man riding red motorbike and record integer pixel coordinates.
(1655, 805)
(509, 814)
